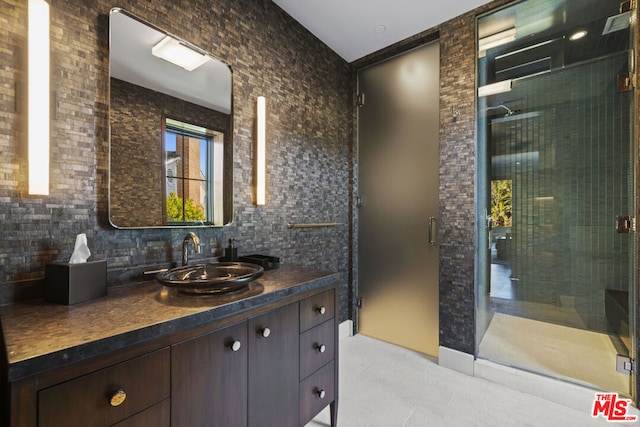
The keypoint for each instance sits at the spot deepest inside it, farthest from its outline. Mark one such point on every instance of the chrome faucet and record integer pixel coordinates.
(185, 246)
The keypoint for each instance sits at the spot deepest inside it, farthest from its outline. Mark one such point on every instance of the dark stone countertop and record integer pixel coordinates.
(40, 336)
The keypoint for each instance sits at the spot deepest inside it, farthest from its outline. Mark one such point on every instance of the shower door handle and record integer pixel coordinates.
(432, 221)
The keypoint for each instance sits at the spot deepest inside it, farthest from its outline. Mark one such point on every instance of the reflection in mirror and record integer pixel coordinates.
(170, 131)
(193, 164)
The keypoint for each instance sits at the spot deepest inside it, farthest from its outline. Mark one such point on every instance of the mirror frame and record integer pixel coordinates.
(228, 144)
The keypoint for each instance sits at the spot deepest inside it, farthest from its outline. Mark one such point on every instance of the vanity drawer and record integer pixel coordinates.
(109, 395)
(316, 309)
(316, 392)
(317, 348)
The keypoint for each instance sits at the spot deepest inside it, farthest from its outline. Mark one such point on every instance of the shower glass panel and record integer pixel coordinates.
(555, 168)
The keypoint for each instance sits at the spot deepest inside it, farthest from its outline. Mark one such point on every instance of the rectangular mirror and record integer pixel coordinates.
(170, 117)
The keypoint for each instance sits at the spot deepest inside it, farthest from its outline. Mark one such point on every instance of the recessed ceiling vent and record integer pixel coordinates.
(617, 23)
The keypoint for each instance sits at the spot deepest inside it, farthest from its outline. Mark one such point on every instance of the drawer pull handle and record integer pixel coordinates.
(266, 332)
(321, 393)
(235, 345)
(118, 398)
(321, 348)
(321, 310)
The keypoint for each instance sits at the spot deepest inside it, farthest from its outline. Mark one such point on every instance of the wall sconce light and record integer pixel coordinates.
(260, 151)
(38, 104)
(179, 54)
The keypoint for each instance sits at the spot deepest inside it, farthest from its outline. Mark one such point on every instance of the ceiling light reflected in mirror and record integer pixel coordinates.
(177, 53)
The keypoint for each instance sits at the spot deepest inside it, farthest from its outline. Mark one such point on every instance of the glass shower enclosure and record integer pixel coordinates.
(556, 195)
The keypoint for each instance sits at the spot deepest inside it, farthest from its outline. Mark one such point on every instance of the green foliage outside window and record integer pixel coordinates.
(501, 203)
(175, 211)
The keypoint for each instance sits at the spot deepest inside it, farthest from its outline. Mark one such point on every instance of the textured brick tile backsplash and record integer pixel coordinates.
(308, 91)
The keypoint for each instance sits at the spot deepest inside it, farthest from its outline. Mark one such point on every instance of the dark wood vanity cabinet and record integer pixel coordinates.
(244, 374)
(272, 365)
(282, 373)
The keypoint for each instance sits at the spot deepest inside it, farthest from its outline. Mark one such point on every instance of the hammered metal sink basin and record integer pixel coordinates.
(211, 278)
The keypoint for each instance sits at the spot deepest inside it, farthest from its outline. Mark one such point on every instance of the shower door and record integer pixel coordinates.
(556, 271)
(398, 125)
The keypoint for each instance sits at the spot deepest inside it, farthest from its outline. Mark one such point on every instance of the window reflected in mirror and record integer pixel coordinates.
(194, 170)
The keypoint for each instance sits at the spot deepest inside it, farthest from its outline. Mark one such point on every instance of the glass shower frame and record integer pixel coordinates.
(504, 116)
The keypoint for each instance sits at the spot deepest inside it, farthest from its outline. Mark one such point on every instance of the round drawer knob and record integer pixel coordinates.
(266, 332)
(321, 348)
(118, 398)
(321, 393)
(235, 346)
(321, 310)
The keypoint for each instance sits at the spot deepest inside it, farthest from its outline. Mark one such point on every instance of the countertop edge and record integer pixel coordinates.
(57, 359)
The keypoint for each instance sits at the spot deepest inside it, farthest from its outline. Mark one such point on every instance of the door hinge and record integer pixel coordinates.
(359, 201)
(361, 100)
(625, 82)
(358, 302)
(625, 224)
(624, 364)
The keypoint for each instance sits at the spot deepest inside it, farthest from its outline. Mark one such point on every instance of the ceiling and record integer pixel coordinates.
(356, 28)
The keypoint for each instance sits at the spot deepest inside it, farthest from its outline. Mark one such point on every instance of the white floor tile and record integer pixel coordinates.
(382, 385)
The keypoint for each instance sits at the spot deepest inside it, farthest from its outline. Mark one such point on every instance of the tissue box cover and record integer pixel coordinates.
(73, 283)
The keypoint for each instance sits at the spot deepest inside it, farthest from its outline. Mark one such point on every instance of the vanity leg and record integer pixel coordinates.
(333, 409)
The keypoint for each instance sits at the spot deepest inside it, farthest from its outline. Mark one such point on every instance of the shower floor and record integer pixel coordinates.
(577, 355)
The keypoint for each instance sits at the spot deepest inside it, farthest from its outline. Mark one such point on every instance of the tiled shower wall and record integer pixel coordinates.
(565, 249)
(308, 92)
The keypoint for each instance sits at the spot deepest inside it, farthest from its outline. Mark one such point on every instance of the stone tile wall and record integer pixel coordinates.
(308, 91)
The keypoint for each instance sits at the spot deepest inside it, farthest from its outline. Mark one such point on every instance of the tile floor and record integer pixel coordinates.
(382, 385)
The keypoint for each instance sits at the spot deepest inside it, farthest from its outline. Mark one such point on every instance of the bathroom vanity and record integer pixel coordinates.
(146, 355)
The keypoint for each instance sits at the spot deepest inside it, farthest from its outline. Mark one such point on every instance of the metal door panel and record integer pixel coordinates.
(398, 177)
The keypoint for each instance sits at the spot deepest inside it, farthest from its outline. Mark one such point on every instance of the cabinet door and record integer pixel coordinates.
(209, 379)
(273, 368)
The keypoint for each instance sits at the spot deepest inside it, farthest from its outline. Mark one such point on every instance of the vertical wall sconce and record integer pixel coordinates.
(38, 104)
(260, 151)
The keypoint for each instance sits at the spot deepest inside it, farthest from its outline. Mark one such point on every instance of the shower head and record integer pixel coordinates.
(509, 111)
